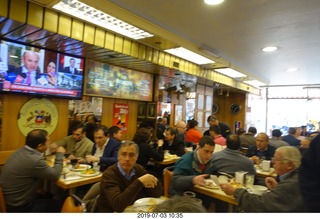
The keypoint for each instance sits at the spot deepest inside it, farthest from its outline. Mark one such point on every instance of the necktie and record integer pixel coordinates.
(28, 78)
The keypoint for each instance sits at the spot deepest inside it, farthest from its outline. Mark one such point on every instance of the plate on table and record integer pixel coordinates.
(146, 204)
(80, 167)
(89, 172)
(210, 184)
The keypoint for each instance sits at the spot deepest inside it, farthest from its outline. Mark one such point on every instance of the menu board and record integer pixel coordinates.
(112, 81)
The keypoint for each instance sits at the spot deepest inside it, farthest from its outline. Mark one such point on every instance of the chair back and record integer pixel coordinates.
(167, 175)
(3, 207)
(73, 204)
(91, 197)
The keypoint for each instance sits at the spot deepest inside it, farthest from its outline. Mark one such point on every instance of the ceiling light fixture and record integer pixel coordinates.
(254, 83)
(230, 72)
(90, 14)
(270, 49)
(292, 69)
(189, 55)
(213, 2)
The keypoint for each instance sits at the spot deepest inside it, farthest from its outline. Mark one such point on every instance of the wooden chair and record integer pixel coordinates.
(167, 175)
(3, 207)
(73, 204)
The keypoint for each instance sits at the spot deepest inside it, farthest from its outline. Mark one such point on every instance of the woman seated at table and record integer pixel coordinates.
(146, 152)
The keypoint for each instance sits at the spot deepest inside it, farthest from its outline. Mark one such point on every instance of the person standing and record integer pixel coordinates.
(126, 181)
(24, 172)
(224, 128)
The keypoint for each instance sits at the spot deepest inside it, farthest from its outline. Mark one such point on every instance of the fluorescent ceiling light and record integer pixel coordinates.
(189, 55)
(213, 2)
(254, 83)
(292, 69)
(270, 49)
(90, 14)
(230, 72)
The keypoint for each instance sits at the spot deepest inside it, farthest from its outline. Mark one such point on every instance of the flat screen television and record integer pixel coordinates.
(35, 71)
(112, 81)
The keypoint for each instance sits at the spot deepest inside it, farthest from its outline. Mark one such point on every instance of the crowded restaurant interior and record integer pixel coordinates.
(159, 106)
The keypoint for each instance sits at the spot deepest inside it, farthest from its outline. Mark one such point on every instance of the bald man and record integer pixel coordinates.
(29, 72)
(181, 128)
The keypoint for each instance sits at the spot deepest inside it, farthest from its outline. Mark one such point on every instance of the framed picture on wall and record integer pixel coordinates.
(142, 110)
(151, 110)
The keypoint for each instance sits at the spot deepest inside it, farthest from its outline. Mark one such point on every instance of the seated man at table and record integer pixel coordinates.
(262, 150)
(193, 167)
(284, 196)
(231, 159)
(126, 181)
(24, 172)
(104, 151)
(77, 144)
(172, 142)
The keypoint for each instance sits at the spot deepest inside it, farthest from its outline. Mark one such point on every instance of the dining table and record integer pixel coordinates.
(72, 177)
(168, 160)
(217, 193)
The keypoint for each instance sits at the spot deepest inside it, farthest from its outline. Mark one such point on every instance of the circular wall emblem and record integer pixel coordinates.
(38, 114)
(215, 108)
(235, 108)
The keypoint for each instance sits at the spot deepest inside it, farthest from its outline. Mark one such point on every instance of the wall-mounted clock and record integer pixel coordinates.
(215, 108)
(235, 108)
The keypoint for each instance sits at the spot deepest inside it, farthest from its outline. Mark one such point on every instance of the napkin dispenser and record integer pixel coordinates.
(240, 177)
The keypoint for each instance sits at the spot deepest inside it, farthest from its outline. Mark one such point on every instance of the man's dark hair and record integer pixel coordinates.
(193, 123)
(276, 133)
(113, 130)
(171, 130)
(36, 137)
(206, 140)
(292, 131)
(103, 128)
(253, 130)
(211, 118)
(233, 142)
(79, 126)
(216, 129)
(142, 136)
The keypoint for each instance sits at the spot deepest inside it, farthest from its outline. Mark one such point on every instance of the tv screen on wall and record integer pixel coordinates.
(34, 71)
(112, 81)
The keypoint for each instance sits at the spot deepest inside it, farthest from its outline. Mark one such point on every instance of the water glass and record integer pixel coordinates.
(249, 180)
(189, 194)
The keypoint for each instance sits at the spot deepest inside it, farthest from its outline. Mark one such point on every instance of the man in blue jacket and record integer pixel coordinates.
(104, 151)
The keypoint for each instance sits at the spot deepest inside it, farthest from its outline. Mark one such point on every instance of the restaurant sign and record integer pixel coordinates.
(121, 114)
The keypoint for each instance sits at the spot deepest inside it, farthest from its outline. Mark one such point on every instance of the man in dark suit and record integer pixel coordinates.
(105, 150)
(29, 72)
(71, 69)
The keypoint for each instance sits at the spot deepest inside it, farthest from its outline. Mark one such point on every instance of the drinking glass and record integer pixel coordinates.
(249, 180)
(189, 194)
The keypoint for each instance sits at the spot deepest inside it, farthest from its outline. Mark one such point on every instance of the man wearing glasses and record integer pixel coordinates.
(284, 196)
